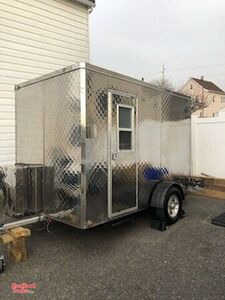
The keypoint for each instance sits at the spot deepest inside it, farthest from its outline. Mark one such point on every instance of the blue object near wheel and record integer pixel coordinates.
(155, 173)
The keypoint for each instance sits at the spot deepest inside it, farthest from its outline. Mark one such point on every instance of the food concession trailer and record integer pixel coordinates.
(93, 146)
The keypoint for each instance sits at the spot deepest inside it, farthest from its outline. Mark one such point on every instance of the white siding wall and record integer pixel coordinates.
(36, 37)
(208, 146)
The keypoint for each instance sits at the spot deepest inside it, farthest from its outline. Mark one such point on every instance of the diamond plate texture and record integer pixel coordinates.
(148, 144)
(49, 132)
(124, 175)
(175, 135)
(49, 111)
(163, 121)
(29, 124)
(96, 149)
(98, 85)
(62, 145)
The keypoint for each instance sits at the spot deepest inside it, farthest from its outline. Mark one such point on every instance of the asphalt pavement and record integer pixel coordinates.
(131, 261)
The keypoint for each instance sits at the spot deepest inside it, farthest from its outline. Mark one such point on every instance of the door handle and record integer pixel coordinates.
(115, 156)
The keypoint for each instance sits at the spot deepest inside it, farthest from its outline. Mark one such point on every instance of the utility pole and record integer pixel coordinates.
(163, 75)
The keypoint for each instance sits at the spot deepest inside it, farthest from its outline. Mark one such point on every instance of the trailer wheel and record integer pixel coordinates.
(172, 206)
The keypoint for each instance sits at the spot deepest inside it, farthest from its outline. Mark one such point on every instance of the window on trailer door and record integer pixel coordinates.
(125, 127)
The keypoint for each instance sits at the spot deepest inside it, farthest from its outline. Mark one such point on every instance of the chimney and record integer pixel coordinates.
(202, 78)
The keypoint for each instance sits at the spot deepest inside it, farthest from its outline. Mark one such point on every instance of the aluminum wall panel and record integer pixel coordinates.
(149, 147)
(123, 167)
(29, 124)
(161, 115)
(162, 145)
(62, 146)
(96, 148)
(48, 133)
(175, 136)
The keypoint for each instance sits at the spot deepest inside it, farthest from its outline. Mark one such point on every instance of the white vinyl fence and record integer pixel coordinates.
(208, 146)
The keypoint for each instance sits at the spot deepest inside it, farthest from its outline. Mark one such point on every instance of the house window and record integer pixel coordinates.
(125, 127)
(214, 99)
(223, 99)
(191, 87)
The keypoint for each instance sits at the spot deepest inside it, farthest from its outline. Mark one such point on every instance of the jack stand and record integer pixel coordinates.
(159, 224)
(162, 225)
(2, 258)
(183, 214)
(2, 263)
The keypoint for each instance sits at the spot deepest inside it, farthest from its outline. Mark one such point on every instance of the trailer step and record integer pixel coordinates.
(122, 221)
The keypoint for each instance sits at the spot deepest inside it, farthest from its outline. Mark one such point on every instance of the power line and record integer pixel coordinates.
(197, 67)
(188, 68)
(222, 64)
(217, 53)
(216, 75)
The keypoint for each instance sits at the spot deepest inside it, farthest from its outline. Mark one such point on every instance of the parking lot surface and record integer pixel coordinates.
(131, 261)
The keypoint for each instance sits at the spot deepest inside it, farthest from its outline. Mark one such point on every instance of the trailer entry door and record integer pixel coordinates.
(122, 153)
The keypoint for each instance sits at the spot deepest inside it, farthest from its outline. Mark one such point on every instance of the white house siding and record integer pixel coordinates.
(36, 37)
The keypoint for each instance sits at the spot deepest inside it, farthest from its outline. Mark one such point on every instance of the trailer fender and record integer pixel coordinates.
(160, 191)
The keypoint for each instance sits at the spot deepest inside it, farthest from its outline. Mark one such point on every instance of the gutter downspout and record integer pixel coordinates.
(90, 10)
(88, 3)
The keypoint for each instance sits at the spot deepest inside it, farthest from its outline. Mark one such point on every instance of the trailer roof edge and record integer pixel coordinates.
(127, 78)
(91, 67)
(50, 75)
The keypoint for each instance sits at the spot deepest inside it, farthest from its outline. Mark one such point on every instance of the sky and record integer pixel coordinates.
(137, 37)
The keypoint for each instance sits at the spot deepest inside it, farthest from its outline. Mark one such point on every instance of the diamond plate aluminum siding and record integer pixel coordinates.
(163, 138)
(66, 127)
(48, 132)
(124, 168)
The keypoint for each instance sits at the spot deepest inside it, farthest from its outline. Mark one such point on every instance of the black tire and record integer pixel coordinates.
(163, 213)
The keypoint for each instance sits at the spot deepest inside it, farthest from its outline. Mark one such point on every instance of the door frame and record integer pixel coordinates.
(109, 148)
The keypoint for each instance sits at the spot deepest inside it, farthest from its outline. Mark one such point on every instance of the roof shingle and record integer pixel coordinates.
(208, 85)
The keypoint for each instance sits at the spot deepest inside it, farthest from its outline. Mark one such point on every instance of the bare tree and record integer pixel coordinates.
(198, 103)
(164, 83)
